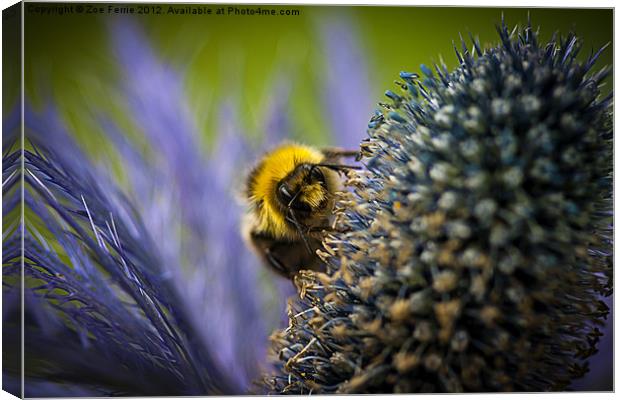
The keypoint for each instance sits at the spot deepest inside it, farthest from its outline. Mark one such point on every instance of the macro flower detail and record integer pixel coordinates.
(474, 249)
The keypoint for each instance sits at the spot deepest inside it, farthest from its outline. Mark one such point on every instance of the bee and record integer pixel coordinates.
(291, 200)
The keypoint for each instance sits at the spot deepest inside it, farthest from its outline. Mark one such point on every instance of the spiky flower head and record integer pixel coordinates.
(475, 247)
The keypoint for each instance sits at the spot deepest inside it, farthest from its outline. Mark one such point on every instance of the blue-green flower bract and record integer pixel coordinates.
(473, 250)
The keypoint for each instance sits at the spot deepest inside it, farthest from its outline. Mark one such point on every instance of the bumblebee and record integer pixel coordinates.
(291, 199)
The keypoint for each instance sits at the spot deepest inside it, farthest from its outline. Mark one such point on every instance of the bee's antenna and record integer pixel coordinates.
(298, 226)
(333, 153)
(290, 203)
(338, 167)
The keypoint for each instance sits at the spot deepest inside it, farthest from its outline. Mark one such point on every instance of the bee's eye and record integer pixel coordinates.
(317, 175)
(284, 193)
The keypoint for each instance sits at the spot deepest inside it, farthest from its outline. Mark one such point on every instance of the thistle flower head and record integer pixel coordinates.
(475, 246)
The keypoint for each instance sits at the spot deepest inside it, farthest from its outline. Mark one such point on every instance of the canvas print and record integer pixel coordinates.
(224, 199)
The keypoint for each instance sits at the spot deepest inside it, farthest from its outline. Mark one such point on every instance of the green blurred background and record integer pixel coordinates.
(68, 58)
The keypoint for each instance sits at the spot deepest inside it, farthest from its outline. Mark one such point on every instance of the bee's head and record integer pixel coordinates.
(305, 190)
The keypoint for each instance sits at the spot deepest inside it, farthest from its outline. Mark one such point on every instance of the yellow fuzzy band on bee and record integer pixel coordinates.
(274, 167)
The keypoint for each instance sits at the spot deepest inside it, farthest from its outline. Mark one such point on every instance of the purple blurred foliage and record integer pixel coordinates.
(347, 93)
(233, 268)
(11, 245)
(278, 125)
(173, 295)
(11, 123)
(218, 274)
(156, 101)
(99, 311)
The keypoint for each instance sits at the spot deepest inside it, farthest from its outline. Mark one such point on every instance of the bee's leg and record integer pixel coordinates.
(328, 229)
(339, 152)
(300, 228)
(333, 154)
(338, 167)
(295, 222)
(312, 229)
